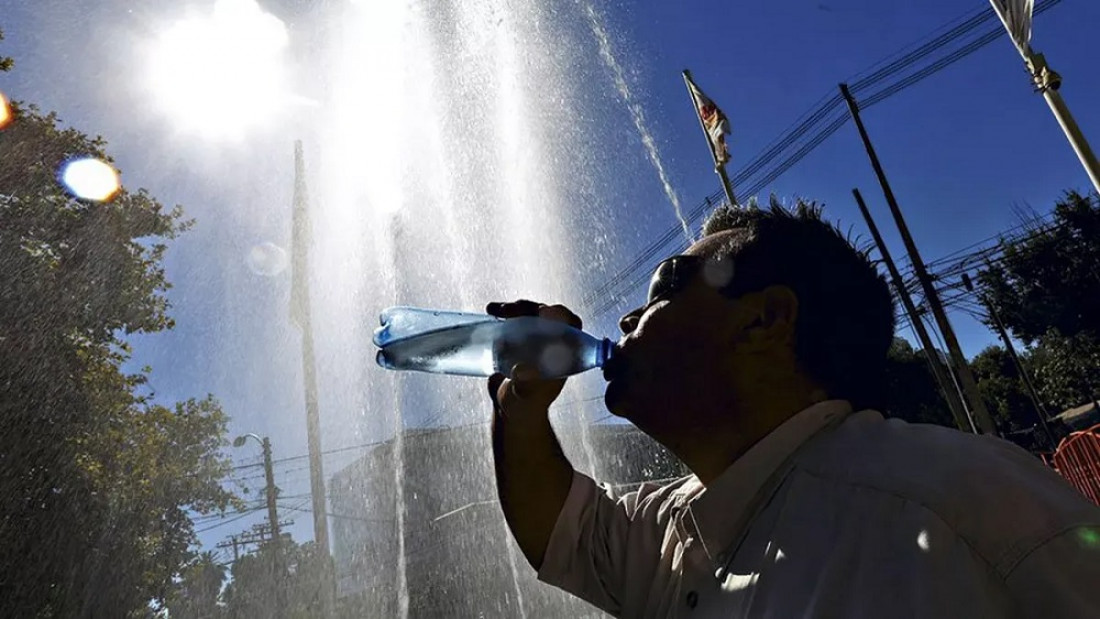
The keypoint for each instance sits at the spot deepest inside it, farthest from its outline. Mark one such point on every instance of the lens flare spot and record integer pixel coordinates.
(556, 359)
(718, 273)
(923, 542)
(90, 179)
(5, 111)
(267, 259)
(1090, 538)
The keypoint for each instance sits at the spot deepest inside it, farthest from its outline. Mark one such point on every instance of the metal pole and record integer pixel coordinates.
(981, 416)
(1033, 394)
(1048, 83)
(719, 167)
(950, 394)
(721, 170)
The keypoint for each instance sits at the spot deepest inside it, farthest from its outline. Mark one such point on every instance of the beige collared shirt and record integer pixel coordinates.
(836, 514)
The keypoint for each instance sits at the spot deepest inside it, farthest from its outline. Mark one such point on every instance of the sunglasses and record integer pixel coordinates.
(674, 274)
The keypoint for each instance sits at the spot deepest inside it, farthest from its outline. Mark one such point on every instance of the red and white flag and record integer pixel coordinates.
(715, 123)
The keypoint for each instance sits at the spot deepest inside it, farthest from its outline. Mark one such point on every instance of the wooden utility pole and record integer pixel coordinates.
(1033, 394)
(978, 411)
(269, 474)
(947, 386)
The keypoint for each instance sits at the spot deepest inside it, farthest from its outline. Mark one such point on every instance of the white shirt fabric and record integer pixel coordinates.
(835, 514)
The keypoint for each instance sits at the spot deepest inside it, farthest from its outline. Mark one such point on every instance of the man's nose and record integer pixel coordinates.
(629, 322)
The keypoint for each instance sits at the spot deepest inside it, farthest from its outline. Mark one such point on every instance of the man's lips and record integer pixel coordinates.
(615, 366)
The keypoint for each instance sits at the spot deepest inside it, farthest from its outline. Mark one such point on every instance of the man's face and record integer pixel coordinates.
(676, 350)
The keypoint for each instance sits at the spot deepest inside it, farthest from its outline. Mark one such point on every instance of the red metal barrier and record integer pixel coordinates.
(1078, 460)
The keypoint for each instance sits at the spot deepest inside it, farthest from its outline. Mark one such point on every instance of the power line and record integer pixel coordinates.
(225, 522)
(816, 116)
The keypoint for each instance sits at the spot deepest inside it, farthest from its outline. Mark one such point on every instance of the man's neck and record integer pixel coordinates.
(708, 452)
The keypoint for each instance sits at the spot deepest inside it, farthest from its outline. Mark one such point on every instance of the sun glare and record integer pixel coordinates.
(221, 74)
(90, 179)
(5, 111)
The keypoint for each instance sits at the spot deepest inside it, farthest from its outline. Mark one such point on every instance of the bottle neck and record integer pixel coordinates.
(606, 346)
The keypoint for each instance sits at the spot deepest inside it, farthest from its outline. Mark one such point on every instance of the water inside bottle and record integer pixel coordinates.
(463, 350)
(482, 348)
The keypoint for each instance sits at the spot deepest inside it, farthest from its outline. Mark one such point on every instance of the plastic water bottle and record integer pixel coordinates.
(466, 344)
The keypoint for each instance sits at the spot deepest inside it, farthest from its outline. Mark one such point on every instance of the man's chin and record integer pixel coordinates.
(615, 398)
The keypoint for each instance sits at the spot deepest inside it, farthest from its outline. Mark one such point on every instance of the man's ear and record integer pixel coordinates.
(767, 318)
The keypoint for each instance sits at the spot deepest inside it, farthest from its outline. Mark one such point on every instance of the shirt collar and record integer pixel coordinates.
(717, 511)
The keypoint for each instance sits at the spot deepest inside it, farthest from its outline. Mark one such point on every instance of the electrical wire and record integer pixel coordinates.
(613, 287)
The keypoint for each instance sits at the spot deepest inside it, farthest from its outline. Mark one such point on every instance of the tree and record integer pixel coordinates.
(6, 63)
(1067, 369)
(911, 392)
(1003, 389)
(1050, 279)
(1046, 289)
(97, 477)
(198, 592)
(252, 593)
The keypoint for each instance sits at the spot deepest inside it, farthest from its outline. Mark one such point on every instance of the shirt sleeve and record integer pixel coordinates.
(1060, 578)
(595, 539)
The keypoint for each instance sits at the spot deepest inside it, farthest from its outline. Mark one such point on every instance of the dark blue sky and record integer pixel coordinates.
(962, 149)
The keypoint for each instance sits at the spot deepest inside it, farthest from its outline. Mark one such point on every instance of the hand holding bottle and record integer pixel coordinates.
(525, 389)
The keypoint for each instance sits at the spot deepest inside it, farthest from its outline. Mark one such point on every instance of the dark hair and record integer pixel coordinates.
(845, 320)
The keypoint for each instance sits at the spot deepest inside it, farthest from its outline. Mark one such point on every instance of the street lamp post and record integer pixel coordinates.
(272, 516)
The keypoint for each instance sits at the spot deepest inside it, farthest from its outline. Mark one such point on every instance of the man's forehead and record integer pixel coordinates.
(717, 243)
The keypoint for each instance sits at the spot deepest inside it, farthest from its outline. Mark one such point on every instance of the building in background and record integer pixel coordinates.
(459, 558)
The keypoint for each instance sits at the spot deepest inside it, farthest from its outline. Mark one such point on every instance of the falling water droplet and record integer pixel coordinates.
(267, 259)
(90, 179)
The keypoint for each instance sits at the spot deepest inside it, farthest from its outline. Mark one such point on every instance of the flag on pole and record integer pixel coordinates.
(715, 123)
(299, 262)
(1016, 16)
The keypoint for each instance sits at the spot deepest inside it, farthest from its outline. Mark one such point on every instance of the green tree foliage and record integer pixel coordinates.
(911, 391)
(1003, 389)
(254, 591)
(1047, 292)
(6, 63)
(197, 594)
(1051, 278)
(1066, 369)
(96, 476)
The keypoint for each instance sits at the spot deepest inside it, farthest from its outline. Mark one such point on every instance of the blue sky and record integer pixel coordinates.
(962, 148)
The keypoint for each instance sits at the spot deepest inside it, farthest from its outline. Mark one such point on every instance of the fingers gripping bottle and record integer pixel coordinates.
(466, 344)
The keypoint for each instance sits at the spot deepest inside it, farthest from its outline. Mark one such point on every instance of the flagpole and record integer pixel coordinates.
(1047, 82)
(719, 167)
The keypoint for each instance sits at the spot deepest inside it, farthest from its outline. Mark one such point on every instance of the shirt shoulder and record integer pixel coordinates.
(997, 497)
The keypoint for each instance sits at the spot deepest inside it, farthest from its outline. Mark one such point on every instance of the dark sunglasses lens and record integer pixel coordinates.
(669, 277)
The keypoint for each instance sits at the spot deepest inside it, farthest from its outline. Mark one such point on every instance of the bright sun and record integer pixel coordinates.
(221, 73)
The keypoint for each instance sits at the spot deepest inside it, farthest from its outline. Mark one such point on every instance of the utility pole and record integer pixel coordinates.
(1040, 410)
(272, 519)
(947, 387)
(272, 512)
(978, 410)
